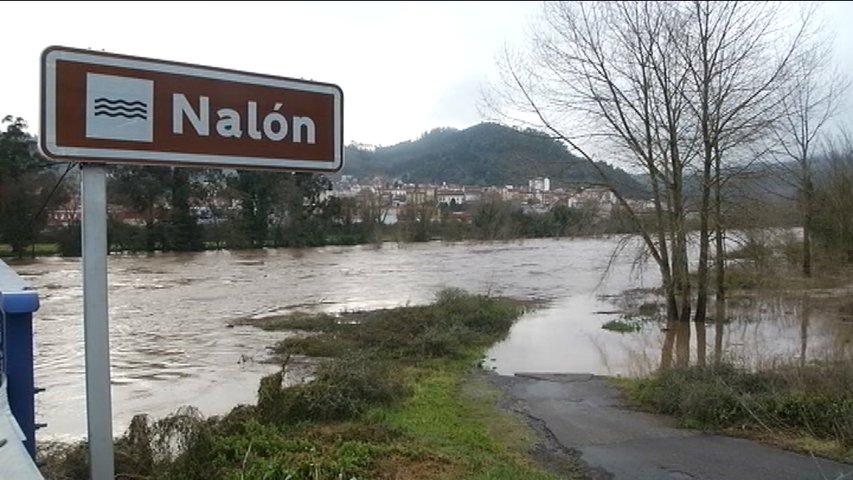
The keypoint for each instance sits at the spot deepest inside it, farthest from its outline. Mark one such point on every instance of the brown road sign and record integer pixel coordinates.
(107, 108)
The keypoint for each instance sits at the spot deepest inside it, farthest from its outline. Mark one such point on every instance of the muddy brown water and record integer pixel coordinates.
(171, 343)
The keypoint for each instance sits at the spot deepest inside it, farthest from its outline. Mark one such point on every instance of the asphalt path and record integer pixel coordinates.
(586, 414)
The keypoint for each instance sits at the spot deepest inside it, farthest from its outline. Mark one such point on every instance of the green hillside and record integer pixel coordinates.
(485, 154)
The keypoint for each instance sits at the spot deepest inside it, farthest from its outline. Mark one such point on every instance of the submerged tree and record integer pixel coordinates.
(671, 88)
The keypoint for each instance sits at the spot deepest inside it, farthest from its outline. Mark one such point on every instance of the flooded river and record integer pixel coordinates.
(171, 315)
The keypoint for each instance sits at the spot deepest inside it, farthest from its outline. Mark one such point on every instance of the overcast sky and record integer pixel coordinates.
(405, 68)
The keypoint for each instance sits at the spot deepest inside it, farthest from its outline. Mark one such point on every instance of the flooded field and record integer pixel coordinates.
(173, 341)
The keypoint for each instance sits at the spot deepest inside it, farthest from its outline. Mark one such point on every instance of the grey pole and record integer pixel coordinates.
(96, 322)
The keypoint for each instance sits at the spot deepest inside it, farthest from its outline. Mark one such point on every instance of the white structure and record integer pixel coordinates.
(602, 200)
(539, 184)
(450, 197)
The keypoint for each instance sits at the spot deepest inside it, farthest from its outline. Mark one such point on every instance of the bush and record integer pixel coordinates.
(620, 326)
(69, 240)
(438, 341)
(453, 326)
(63, 461)
(294, 321)
(724, 397)
(315, 346)
(331, 428)
(341, 390)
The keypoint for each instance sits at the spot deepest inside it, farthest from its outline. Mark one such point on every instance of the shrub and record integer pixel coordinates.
(296, 321)
(341, 390)
(811, 400)
(438, 341)
(315, 346)
(620, 326)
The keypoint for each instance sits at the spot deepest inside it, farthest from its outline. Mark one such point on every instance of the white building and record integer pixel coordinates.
(450, 197)
(539, 184)
(602, 200)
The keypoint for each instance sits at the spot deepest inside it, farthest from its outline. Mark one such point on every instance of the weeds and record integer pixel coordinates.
(341, 390)
(795, 402)
(450, 328)
(296, 321)
(388, 404)
(620, 326)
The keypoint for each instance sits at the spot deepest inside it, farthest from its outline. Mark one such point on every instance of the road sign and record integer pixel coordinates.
(108, 108)
(102, 108)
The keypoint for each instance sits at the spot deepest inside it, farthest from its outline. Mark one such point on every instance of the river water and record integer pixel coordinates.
(173, 344)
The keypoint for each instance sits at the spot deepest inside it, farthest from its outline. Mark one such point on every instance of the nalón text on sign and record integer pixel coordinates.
(107, 108)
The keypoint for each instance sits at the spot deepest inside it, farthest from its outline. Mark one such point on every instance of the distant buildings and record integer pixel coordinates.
(537, 197)
(539, 184)
(602, 200)
(449, 196)
(393, 198)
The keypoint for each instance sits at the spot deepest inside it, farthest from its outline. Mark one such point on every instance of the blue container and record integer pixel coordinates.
(17, 304)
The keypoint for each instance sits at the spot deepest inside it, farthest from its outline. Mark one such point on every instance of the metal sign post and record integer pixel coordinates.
(96, 322)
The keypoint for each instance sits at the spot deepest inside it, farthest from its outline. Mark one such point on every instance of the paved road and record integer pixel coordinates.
(586, 414)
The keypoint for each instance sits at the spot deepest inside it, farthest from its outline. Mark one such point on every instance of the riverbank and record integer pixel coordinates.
(807, 409)
(169, 312)
(399, 395)
(169, 315)
(587, 414)
(800, 399)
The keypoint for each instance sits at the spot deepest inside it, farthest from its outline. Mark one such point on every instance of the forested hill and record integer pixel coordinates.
(485, 154)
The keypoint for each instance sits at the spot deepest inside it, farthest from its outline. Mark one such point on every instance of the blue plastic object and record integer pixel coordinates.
(17, 304)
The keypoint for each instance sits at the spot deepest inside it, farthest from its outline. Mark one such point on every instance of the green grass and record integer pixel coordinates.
(295, 321)
(621, 326)
(451, 328)
(403, 399)
(41, 249)
(455, 415)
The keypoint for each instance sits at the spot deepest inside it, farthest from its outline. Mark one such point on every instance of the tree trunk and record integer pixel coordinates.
(702, 273)
(719, 330)
(719, 262)
(671, 324)
(701, 343)
(807, 228)
(804, 331)
(668, 345)
(682, 344)
(680, 268)
(682, 288)
(808, 208)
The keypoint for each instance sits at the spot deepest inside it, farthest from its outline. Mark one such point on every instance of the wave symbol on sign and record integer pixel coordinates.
(120, 108)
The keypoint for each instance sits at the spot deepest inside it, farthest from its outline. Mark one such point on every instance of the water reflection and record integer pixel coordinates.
(760, 331)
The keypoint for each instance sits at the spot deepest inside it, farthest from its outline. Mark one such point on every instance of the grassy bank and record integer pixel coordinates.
(39, 250)
(807, 409)
(400, 396)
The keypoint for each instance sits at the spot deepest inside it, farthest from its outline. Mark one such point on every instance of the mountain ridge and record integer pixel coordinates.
(481, 155)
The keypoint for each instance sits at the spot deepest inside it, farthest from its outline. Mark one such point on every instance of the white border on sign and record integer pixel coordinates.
(169, 158)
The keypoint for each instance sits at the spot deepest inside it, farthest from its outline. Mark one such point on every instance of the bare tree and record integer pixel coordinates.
(737, 67)
(669, 87)
(810, 101)
(834, 199)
